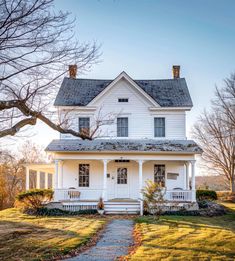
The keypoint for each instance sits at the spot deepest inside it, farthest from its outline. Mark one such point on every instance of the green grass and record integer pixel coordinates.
(187, 238)
(25, 237)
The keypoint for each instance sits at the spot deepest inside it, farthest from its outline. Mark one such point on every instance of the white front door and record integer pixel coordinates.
(122, 182)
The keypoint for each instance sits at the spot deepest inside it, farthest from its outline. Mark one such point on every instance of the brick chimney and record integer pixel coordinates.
(73, 71)
(176, 71)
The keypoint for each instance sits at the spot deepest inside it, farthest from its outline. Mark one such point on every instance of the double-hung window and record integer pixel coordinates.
(84, 125)
(122, 127)
(159, 174)
(84, 173)
(159, 127)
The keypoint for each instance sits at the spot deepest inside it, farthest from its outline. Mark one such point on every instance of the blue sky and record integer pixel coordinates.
(145, 38)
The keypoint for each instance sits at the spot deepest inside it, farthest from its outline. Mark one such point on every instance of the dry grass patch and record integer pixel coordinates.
(25, 237)
(187, 238)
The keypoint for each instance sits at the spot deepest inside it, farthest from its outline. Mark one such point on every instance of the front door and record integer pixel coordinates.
(122, 182)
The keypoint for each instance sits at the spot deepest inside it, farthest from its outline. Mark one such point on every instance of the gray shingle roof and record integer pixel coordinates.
(114, 145)
(167, 93)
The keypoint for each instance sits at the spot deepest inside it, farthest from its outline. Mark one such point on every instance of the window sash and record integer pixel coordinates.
(159, 174)
(159, 127)
(122, 127)
(84, 125)
(84, 175)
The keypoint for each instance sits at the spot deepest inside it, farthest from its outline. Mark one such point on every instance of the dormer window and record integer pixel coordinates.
(123, 99)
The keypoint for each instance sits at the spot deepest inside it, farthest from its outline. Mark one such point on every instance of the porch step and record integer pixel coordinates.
(121, 207)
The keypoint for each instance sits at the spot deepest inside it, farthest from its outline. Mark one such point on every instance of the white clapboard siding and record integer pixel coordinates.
(141, 119)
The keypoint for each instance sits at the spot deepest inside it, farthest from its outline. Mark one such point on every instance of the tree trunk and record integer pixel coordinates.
(232, 186)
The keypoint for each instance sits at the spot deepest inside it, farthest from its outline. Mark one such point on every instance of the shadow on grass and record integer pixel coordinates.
(25, 241)
(207, 251)
(226, 222)
(206, 237)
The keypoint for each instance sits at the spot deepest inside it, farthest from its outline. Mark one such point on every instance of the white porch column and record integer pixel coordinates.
(61, 174)
(141, 185)
(27, 179)
(193, 162)
(105, 180)
(187, 176)
(55, 181)
(46, 180)
(38, 180)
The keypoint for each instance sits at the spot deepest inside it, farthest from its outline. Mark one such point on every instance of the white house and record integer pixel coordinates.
(142, 137)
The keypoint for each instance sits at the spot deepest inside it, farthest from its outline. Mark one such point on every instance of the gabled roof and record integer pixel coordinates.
(166, 93)
(119, 145)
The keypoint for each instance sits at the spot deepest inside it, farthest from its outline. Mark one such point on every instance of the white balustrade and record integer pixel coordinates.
(179, 195)
(77, 194)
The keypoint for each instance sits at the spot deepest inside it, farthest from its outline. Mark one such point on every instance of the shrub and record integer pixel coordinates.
(226, 196)
(59, 212)
(153, 195)
(34, 199)
(206, 195)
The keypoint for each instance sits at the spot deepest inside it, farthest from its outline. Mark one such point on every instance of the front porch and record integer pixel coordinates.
(80, 180)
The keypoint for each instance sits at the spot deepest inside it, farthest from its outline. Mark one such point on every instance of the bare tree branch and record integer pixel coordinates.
(215, 133)
(36, 46)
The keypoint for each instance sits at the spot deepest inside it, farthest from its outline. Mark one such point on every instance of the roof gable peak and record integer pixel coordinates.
(124, 75)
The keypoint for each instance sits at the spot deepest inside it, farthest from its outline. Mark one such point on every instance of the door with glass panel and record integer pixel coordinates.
(122, 182)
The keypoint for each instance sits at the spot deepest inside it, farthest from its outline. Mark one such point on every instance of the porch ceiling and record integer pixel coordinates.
(43, 167)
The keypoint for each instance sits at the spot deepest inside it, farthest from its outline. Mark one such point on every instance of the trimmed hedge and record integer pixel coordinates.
(206, 195)
(60, 212)
(34, 198)
(182, 213)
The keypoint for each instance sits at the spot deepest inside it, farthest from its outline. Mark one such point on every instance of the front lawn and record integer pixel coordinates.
(187, 238)
(25, 237)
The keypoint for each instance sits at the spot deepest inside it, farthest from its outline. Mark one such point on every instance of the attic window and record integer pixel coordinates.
(123, 100)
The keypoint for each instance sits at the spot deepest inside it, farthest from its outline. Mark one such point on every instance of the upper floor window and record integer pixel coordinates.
(84, 125)
(123, 100)
(159, 174)
(159, 127)
(84, 173)
(122, 127)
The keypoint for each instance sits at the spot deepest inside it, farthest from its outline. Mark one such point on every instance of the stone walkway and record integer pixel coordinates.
(114, 242)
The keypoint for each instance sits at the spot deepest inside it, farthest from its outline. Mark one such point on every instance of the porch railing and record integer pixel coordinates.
(77, 194)
(179, 195)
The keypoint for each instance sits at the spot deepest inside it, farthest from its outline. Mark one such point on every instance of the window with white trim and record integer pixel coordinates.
(159, 174)
(84, 175)
(159, 127)
(122, 127)
(84, 125)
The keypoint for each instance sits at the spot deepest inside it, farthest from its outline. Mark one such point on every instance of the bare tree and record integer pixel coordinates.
(215, 133)
(36, 46)
(12, 170)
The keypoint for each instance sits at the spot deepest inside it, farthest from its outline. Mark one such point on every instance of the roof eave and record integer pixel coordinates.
(127, 152)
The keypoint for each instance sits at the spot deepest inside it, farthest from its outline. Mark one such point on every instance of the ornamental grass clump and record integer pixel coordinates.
(153, 196)
(34, 199)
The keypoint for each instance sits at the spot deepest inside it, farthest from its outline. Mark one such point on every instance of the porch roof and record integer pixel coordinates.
(124, 145)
